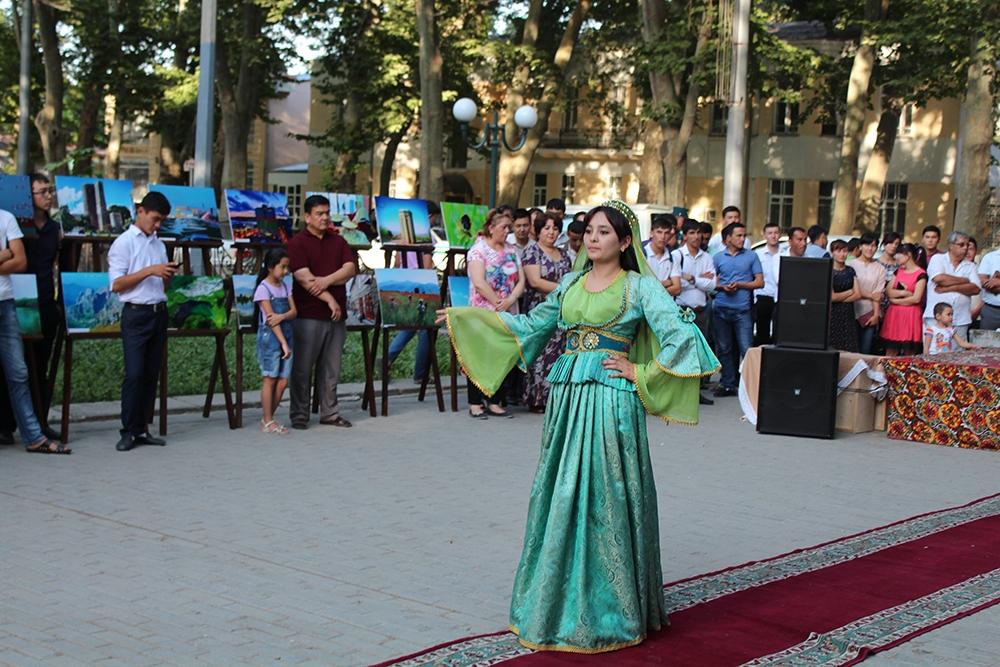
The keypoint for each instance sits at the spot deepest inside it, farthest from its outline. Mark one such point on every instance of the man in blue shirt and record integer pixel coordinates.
(739, 273)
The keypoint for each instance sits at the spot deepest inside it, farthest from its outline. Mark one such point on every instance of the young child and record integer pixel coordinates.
(274, 334)
(941, 337)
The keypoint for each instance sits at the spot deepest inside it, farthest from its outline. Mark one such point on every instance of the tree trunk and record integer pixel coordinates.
(239, 97)
(668, 91)
(650, 166)
(112, 157)
(87, 132)
(973, 188)
(49, 119)
(514, 166)
(878, 166)
(431, 104)
(389, 160)
(846, 193)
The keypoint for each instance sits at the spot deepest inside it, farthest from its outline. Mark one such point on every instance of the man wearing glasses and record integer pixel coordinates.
(953, 280)
(42, 237)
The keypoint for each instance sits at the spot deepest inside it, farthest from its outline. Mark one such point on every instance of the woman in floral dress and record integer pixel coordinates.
(544, 267)
(497, 282)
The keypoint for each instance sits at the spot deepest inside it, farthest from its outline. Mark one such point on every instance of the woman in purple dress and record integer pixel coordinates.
(544, 266)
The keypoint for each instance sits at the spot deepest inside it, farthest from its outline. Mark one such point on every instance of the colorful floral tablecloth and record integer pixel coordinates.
(947, 399)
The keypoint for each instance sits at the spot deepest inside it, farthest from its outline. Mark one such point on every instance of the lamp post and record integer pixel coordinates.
(465, 111)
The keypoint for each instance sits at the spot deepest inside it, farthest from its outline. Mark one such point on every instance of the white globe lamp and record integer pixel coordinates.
(464, 110)
(526, 117)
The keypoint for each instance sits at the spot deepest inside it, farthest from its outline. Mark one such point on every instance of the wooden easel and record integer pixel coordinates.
(451, 270)
(432, 333)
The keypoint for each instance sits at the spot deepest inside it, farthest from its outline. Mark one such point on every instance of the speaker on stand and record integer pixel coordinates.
(798, 377)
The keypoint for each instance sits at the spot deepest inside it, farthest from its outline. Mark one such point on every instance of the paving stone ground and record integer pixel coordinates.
(347, 547)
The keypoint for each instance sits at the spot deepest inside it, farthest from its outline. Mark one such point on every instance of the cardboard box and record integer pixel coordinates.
(881, 407)
(855, 411)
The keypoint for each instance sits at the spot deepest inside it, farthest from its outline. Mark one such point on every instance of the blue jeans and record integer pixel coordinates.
(733, 337)
(400, 340)
(866, 339)
(16, 372)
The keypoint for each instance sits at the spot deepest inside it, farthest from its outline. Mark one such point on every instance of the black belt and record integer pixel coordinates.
(151, 307)
(696, 311)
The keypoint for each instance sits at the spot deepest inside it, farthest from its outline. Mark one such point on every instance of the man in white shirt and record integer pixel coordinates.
(14, 260)
(989, 276)
(765, 297)
(520, 238)
(953, 280)
(662, 230)
(139, 272)
(730, 214)
(696, 271)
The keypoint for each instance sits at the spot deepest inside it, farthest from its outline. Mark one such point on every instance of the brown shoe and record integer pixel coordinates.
(337, 421)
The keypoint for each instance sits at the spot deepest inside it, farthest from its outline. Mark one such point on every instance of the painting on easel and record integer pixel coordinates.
(89, 303)
(259, 217)
(403, 221)
(462, 223)
(15, 196)
(29, 321)
(408, 298)
(196, 303)
(458, 290)
(194, 214)
(91, 206)
(350, 217)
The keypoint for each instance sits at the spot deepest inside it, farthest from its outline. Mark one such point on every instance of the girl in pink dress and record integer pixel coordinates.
(902, 328)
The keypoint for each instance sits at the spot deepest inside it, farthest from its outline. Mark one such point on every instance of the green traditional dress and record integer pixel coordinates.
(589, 579)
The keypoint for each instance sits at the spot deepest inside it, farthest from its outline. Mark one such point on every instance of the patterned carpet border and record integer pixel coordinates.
(850, 644)
(494, 648)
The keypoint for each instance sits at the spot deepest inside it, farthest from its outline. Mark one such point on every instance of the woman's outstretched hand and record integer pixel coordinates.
(624, 367)
(442, 315)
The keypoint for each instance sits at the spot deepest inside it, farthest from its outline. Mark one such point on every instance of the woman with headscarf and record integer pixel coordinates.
(589, 579)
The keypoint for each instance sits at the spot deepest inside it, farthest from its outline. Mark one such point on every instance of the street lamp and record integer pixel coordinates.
(465, 111)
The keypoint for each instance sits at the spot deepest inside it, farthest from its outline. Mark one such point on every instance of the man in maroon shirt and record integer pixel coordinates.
(322, 263)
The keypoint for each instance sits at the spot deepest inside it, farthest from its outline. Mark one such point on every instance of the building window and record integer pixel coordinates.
(615, 188)
(824, 208)
(833, 126)
(720, 119)
(540, 190)
(294, 195)
(786, 117)
(892, 212)
(568, 188)
(779, 208)
(905, 119)
(250, 175)
(570, 112)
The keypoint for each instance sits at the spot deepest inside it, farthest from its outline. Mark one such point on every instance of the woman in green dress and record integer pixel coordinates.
(589, 579)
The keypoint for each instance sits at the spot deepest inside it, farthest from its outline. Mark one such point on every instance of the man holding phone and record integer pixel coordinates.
(139, 273)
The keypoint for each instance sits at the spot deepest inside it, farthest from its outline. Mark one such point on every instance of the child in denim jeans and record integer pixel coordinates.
(274, 335)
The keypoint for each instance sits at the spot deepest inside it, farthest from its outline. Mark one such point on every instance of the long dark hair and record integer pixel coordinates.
(622, 229)
(271, 259)
(918, 254)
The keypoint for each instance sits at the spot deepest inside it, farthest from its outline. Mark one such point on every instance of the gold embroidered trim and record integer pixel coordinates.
(645, 406)
(617, 353)
(621, 272)
(458, 355)
(574, 649)
(686, 375)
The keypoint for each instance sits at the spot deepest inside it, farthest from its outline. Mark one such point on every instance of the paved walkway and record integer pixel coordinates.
(346, 547)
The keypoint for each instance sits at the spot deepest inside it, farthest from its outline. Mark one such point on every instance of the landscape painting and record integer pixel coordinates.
(408, 298)
(458, 290)
(243, 288)
(196, 303)
(194, 214)
(93, 205)
(15, 196)
(349, 217)
(259, 217)
(462, 223)
(403, 221)
(89, 303)
(26, 303)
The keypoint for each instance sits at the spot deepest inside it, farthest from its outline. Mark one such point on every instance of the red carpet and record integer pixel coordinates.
(857, 595)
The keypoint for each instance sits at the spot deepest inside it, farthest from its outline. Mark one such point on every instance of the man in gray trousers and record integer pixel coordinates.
(322, 263)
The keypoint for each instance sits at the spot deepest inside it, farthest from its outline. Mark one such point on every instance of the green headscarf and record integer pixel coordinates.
(646, 346)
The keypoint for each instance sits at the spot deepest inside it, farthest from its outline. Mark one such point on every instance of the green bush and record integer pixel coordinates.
(98, 365)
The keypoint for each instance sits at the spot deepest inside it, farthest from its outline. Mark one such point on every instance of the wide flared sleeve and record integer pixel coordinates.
(489, 344)
(670, 355)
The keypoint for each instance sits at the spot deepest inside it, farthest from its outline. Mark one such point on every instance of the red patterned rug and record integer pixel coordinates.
(832, 604)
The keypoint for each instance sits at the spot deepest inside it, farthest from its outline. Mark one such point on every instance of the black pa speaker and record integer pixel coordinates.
(797, 394)
(802, 318)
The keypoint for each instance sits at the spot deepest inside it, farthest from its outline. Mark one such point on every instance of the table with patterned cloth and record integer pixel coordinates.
(948, 399)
